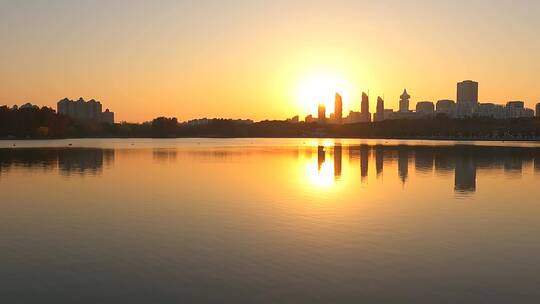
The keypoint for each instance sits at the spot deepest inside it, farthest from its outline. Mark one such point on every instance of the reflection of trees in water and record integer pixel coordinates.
(164, 155)
(79, 161)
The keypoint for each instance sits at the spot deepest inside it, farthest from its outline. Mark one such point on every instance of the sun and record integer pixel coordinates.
(320, 88)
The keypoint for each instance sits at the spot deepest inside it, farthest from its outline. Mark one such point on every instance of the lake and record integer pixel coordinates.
(269, 221)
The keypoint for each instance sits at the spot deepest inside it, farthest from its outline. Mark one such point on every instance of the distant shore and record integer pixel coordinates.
(45, 123)
(501, 139)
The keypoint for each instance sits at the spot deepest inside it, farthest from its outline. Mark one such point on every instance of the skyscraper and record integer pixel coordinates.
(338, 109)
(467, 92)
(364, 114)
(538, 110)
(365, 103)
(404, 102)
(379, 115)
(322, 113)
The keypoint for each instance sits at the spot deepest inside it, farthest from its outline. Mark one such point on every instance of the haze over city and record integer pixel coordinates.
(263, 60)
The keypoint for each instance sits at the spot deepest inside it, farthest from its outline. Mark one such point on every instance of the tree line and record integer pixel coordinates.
(46, 123)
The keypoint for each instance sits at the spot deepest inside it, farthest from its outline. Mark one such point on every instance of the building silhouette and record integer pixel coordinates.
(404, 102)
(338, 109)
(366, 116)
(446, 107)
(85, 111)
(379, 114)
(321, 117)
(467, 105)
(467, 92)
(425, 108)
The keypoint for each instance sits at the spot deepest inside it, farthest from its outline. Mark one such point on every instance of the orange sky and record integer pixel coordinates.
(254, 59)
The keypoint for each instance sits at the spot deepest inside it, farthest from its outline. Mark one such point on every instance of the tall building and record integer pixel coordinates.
(404, 102)
(446, 106)
(107, 117)
(364, 107)
(538, 110)
(365, 115)
(379, 115)
(467, 92)
(321, 113)
(425, 108)
(338, 109)
(85, 111)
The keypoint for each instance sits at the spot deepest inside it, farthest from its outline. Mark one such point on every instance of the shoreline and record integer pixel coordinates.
(480, 139)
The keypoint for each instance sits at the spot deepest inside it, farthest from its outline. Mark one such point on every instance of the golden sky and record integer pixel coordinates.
(259, 59)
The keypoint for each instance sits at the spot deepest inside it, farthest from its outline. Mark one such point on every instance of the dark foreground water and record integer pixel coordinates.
(269, 221)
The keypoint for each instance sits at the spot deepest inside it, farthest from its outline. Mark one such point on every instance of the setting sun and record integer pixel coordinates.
(320, 88)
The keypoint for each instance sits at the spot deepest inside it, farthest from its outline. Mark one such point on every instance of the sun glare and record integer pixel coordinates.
(321, 88)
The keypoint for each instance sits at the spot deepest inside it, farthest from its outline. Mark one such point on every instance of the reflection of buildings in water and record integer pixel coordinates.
(460, 161)
(73, 160)
(423, 160)
(164, 155)
(465, 173)
(403, 163)
(444, 161)
(321, 157)
(513, 164)
(379, 159)
(337, 160)
(84, 161)
(364, 161)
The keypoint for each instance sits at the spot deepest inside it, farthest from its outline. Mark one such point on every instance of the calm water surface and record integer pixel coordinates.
(269, 221)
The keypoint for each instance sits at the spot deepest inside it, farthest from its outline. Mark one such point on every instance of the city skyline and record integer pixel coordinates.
(138, 61)
(466, 105)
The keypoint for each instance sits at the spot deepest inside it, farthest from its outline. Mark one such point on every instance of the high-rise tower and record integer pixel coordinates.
(379, 115)
(467, 92)
(365, 115)
(365, 103)
(322, 113)
(338, 109)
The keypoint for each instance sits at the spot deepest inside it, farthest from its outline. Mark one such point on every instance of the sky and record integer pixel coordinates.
(263, 59)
